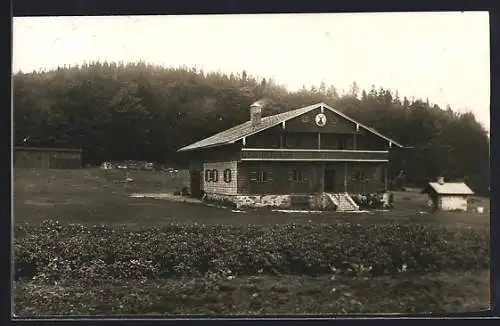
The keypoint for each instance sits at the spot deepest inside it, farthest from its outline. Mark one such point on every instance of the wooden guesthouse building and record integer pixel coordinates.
(313, 155)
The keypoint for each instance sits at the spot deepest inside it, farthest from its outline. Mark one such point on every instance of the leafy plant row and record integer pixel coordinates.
(52, 251)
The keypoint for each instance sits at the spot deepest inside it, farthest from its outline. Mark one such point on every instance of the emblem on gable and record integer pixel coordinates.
(320, 119)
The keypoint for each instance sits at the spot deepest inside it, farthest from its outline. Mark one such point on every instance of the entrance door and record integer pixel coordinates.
(330, 180)
(195, 184)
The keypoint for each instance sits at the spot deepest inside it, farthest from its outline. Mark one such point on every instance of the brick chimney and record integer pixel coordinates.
(255, 113)
(440, 180)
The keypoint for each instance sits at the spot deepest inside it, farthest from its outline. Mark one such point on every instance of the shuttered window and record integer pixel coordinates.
(266, 176)
(227, 175)
(211, 175)
(298, 175)
(261, 175)
(357, 176)
(253, 176)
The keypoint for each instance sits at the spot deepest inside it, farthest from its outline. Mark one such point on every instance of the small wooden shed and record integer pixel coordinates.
(47, 158)
(448, 196)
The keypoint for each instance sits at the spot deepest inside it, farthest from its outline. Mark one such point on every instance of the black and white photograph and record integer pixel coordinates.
(328, 164)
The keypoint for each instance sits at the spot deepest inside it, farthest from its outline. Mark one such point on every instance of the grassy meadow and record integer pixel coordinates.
(83, 247)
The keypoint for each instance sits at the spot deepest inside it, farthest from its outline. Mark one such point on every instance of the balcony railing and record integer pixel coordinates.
(259, 154)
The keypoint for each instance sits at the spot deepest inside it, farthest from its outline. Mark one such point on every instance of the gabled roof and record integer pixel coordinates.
(449, 188)
(246, 129)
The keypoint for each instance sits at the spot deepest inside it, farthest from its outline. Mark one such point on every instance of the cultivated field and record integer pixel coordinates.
(161, 257)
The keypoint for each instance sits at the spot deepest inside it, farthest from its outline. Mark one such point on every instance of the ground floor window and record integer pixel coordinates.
(264, 176)
(211, 175)
(299, 175)
(261, 176)
(357, 176)
(227, 175)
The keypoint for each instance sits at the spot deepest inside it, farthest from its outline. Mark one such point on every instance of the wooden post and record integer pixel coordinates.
(322, 178)
(345, 177)
(319, 140)
(354, 141)
(385, 176)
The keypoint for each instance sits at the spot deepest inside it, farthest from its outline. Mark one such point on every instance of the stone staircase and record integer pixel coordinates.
(343, 202)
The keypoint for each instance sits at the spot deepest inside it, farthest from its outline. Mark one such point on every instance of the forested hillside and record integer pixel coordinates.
(144, 112)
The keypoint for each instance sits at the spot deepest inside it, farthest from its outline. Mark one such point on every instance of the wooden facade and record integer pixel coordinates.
(309, 177)
(296, 156)
(47, 158)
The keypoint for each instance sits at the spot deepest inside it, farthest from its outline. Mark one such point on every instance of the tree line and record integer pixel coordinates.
(138, 111)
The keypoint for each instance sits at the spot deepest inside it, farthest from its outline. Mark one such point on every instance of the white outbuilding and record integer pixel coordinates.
(448, 196)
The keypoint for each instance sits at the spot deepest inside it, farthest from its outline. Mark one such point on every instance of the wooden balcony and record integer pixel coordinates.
(311, 155)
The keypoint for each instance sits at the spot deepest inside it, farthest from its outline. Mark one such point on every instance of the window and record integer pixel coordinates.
(227, 175)
(298, 176)
(358, 176)
(211, 175)
(261, 176)
(264, 176)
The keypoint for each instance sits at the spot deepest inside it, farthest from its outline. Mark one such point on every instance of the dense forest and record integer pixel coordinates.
(116, 111)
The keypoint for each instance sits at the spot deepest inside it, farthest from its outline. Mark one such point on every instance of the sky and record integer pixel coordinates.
(442, 56)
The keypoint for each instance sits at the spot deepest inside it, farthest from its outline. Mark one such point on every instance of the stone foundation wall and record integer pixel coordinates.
(316, 201)
(242, 201)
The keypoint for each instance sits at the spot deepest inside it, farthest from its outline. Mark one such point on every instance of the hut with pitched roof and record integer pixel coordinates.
(448, 196)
